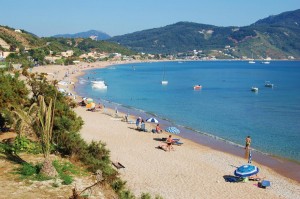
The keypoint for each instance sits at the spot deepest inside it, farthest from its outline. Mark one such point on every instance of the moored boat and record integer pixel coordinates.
(269, 84)
(254, 89)
(197, 87)
(99, 84)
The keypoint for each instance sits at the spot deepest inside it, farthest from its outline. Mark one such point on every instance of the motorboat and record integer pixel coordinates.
(251, 61)
(269, 84)
(254, 89)
(99, 84)
(197, 87)
(265, 62)
(164, 82)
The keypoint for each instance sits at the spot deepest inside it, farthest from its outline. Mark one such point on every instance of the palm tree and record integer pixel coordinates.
(40, 118)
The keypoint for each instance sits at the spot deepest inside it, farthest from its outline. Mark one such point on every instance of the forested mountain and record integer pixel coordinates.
(276, 36)
(98, 35)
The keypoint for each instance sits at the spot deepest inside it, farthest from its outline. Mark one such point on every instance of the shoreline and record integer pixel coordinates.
(217, 148)
(281, 165)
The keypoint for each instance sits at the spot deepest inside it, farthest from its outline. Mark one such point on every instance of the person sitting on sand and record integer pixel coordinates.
(256, 178)
(82, 103)
(143, 126)
(158, 129)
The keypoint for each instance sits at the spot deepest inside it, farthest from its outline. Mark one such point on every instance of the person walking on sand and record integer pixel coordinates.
(247, 146)
(169, 143)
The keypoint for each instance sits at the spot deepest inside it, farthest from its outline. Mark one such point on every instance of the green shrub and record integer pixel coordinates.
(28, 169)
(64, 170)
(126, 194)
(118, 185)
(145, 196)
(66, 179)
(22, 144)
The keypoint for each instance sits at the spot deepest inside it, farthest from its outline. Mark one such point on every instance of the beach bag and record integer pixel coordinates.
(264, 184)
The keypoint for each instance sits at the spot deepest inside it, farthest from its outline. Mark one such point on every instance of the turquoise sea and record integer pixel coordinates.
(224, 109)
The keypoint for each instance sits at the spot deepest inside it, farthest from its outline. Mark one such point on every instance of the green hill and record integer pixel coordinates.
(99, 35)
(276, 36)
(27, 49)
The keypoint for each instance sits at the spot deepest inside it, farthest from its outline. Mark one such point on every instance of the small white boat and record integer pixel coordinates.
(99, 84)
(164, 82)
(265, 62)
(269, 84)
(254, 89)
(197, 87)
(251, 61)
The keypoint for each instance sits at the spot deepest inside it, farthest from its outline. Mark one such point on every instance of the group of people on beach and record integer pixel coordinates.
(140, 125)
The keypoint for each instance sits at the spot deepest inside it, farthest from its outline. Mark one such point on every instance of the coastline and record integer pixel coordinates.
(190, 145)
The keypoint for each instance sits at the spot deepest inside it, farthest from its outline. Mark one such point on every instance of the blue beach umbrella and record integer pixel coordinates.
(152, 120)
(173, 130)
(246, 170)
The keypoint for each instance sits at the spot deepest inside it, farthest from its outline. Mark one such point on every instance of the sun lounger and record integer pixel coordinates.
(118, 165)
(178, 143)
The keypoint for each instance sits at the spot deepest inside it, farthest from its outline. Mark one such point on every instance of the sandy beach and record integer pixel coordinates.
(190, 171)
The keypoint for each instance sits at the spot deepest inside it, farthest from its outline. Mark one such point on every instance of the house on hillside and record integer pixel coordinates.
(18, 30)
(94, 37)
(4, 54)
(68, 53)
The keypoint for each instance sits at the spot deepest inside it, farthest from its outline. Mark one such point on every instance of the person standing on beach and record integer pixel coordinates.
(137, 123)
(247, 146)
(169, 143)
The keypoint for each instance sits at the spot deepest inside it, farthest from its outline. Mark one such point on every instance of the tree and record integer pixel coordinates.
(40, 117)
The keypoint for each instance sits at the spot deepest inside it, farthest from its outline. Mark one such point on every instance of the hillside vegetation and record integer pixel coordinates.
(28, 50)
(276, 36)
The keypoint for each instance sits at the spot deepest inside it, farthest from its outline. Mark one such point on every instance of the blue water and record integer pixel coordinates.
(225, 107)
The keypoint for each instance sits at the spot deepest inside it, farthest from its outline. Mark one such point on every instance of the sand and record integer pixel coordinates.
(191, 171)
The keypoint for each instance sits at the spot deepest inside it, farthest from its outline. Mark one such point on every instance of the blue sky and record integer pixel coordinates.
(118, 17)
